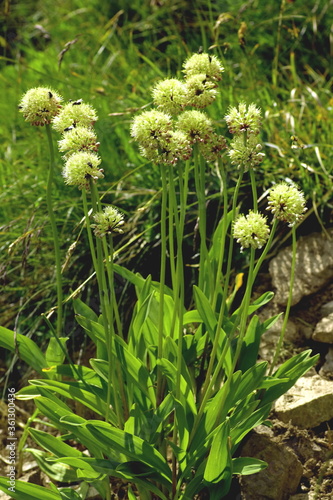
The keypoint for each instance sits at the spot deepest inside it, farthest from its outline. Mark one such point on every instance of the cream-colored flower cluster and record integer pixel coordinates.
(167, 134)
(244, 122)
(79, 143)
(75, 121)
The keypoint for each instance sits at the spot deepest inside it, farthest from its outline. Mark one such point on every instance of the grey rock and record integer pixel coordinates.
(314, 267)
(282, 476)
(324, 330)
(326, 309)
(308, 403)
(326, 371)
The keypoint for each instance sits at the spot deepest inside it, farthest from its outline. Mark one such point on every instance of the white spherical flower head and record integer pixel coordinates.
(244, 119)
(40, 105)
(246, 154)
(251, 230)
(78, 139)
(213, 149)
(170, 151)
(150, 128)
(107, 222)
(196, 125)
(73, 114)
(201, 91)
(286, 203)
(205, 64)
(169, 96)
(81, 168)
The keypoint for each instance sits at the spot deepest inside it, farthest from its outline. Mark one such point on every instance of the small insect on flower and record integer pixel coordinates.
(73, 115)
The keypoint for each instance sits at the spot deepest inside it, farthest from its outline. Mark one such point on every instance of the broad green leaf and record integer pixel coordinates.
(250, 381)
(184, 429)
(271, 381)
(137, 280)
(250, 345)
(192, 317)
(292, 369)
(139, 321)
(28, 351)
(243, 428)
(259, 302)
(54, 444)
(131, 446)
(186, 390)
(80, 373)
(158, 420)
(134, 371)
(65, 420)
(27, 491)
(55, 352)
(58, 472)
(94, 399)
(205, 310)
(219, 465)
(69, 494)
(94, 329)
(170, 350)
(209, 318)
(121, 470)
(83, 310)
(247, 465)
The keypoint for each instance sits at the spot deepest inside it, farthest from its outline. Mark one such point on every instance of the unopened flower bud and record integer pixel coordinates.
(78, 139)
(244, 119)
(107, 222)
(40, 105)
(286, 203)
(203, 64)
(81, 168)
(169, 96)
(73, 114)
(247, 154)
(196, 125)
(251, 230)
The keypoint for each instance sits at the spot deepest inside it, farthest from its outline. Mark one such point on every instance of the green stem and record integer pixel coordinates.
(162, 283)
(210, 380)
(204, 264)
(290, 296)
(275, 71)
(254, 190)
(179, 298)
(219, 270)
(106, 287)
(54, 232)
